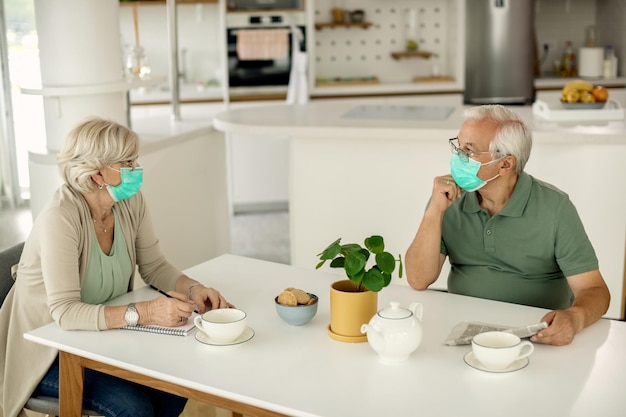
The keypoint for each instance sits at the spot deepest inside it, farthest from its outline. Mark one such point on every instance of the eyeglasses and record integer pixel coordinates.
(462, 153)
(131, 163)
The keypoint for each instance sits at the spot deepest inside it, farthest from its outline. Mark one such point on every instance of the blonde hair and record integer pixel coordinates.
(90, 147)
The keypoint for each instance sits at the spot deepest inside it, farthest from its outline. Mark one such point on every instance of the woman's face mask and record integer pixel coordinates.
(132, 178)
(465, 172)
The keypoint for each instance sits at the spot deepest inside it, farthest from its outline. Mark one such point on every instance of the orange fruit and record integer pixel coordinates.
(600, 93)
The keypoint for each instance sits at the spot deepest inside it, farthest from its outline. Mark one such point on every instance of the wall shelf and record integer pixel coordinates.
(332, 25)
(411, 54)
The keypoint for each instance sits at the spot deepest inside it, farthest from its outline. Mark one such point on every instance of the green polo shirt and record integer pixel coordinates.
(522, 254)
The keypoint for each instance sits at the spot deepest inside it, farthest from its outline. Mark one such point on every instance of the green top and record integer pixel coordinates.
(107, 276)
(522, 254)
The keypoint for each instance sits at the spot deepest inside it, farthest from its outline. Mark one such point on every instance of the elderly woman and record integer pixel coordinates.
(508, 236)
(81, 253)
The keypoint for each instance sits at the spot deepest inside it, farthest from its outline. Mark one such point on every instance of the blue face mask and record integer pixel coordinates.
(132, 178)
(465, 173)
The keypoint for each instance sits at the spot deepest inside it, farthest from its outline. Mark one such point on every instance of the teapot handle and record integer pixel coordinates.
(417, 309)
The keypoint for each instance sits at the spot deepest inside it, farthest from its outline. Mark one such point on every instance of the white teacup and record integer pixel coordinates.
(222, 325)
(498, 350)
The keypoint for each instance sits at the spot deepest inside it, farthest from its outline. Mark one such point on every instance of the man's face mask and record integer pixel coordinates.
(465, 170)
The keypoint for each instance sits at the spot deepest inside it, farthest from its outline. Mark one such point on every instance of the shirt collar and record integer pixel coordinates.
(516, 204)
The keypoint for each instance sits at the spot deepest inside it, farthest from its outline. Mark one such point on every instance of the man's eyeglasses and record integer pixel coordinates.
(462, 153)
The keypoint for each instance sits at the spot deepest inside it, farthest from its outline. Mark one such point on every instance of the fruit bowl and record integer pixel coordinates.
(583, 106)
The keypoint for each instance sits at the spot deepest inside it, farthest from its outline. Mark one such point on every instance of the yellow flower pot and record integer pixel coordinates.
(349, 310)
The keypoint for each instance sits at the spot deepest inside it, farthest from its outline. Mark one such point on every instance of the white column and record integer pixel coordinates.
(79, 46)
(82, 75)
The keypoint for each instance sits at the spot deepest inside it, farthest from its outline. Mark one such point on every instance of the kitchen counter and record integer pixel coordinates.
(549, 82)
(355, 172)
(385, 117)
(159, 92)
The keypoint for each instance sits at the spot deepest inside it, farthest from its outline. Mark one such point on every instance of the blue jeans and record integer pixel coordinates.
(115, 397)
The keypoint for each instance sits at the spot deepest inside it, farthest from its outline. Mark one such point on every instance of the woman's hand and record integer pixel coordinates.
(205, 298)
(171, 311)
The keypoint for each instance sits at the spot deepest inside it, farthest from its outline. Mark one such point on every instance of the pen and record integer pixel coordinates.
(162, 292)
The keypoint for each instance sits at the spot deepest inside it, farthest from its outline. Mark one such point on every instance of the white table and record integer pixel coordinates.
(301, 371)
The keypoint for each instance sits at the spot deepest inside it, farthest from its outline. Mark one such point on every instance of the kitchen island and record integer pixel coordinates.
(363, 167)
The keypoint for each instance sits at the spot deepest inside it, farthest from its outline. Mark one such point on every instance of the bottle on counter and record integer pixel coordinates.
(568, 65)
(609, 66)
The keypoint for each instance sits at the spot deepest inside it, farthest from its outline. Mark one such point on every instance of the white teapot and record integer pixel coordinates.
(395, 332)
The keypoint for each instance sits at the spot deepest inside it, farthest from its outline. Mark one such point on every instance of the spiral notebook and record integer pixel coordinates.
(174, 331)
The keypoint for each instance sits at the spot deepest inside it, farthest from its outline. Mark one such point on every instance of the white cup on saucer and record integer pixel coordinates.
(222, 325)
(498, 350)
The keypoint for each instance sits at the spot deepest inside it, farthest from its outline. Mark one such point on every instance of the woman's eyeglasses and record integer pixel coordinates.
(131, 163)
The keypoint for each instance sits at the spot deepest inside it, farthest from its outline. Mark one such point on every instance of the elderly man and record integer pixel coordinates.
(509, 236)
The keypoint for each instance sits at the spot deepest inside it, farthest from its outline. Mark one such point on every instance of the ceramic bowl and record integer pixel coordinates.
(297, 315)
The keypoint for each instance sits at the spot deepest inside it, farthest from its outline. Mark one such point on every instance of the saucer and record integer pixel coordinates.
(471, 360)
(349, 339)
(247, 334)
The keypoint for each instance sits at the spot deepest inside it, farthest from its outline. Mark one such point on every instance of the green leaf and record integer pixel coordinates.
(350, 247)
(386, 262)
(365, 253)
(358, 277)
(374, 280)
(400, 267)
(331, 251)
(319, 265)
(355, 262)
(336, 242)
(338, 262)
(386, 279)
(375, 244)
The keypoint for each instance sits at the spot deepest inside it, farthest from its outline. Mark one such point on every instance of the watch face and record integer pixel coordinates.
(131, 316)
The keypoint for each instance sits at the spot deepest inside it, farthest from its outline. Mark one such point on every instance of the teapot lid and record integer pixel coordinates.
(394, 311)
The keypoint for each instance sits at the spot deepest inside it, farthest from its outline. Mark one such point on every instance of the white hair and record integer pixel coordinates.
(512, 136)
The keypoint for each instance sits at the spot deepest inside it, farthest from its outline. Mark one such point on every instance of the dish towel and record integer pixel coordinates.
(262, 44)
(297, 90)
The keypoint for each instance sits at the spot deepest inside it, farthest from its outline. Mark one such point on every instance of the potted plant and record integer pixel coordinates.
(354, 301)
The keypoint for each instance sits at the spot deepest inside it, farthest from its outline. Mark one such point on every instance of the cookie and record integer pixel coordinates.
(302, 296)
(287, 298)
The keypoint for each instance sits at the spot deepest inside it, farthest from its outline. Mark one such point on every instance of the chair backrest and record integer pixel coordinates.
(8, 258)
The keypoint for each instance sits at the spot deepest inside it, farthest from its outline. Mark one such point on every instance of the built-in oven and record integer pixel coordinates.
(256, 5)
(263, 71)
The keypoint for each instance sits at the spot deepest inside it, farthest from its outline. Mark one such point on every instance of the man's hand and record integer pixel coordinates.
(445, 191)
(562, 327)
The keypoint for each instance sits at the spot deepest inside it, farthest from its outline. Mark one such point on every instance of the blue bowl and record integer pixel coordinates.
(297, 315)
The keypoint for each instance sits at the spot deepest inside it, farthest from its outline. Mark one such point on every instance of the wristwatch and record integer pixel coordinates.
(131, 316)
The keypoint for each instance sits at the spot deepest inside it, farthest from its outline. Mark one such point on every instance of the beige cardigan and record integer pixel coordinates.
(48, 281)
